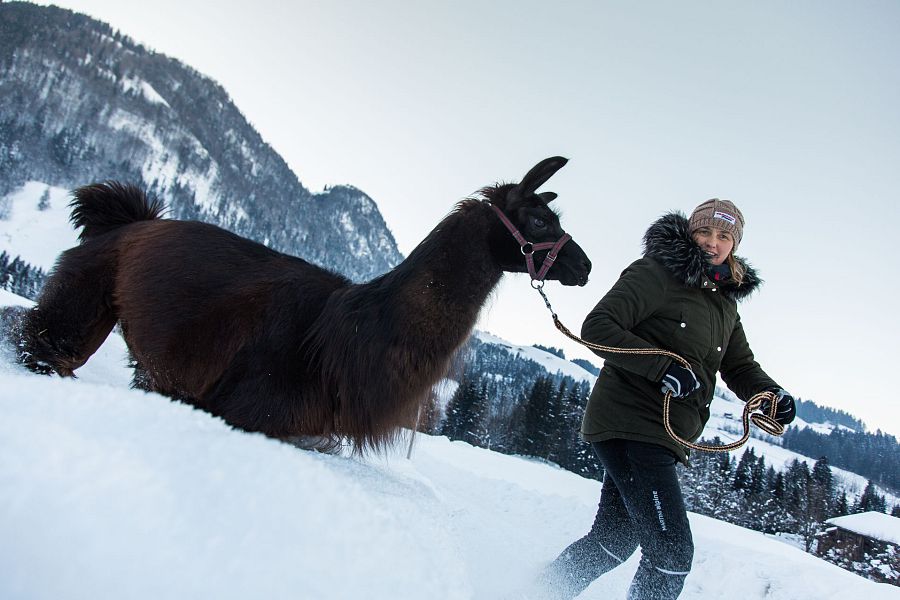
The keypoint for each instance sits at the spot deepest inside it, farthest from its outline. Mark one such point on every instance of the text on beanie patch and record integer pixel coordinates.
(725, 217)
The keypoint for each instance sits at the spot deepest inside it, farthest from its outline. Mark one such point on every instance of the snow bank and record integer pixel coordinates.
(109, 492)
(114, 493)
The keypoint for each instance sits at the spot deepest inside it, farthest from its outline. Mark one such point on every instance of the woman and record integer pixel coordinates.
(682, 296)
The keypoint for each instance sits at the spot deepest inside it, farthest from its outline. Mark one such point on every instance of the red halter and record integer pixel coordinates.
(528, 248)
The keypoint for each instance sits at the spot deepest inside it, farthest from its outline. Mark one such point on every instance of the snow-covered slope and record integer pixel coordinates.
(111, 492)
(38, 236)
(725, 422)
(551, 362)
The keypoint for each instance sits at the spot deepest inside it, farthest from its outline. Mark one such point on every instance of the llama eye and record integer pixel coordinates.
(539, 222)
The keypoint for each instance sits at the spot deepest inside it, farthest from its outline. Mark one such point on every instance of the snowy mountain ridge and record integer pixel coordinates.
(80, 103)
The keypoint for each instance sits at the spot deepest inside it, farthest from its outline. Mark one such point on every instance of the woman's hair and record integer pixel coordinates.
(737, 269)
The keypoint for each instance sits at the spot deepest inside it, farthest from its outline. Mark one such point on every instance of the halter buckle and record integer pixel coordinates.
(528, 249)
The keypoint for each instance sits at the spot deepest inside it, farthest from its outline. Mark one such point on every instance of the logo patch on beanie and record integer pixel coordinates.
(725, 217)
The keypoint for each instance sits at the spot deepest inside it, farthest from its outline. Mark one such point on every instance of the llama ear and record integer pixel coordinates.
(547, 197)
(539, 174)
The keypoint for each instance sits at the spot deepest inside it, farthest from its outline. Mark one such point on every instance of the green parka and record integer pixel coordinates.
(665, 300)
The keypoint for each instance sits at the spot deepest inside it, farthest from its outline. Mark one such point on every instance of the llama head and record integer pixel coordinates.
(530, 214)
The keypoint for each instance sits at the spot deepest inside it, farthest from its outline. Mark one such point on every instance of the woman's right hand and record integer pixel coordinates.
(679, 380)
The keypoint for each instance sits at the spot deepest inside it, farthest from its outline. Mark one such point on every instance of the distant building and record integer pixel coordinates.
(866, 543)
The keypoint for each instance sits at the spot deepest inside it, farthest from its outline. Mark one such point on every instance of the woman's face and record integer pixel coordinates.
(716, 243)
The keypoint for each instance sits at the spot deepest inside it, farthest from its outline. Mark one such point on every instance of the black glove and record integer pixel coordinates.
(785, 411)
(679, 381)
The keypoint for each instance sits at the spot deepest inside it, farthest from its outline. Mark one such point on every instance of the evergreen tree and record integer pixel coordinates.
(537, 420)
(44, 202)
(723, 500)
(871, 500)
(871, 455)
(552, 350)
(587, 366)
(821, 490)
(841, 506)
(796, 498)
(555, 448)
(772, 510)
(19, 277)
(480, 431)
(742, 471)
(695, 484)
(467, 414)
(757, 502)
(573, 453)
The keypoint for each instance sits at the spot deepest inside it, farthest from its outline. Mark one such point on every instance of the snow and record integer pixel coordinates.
(236, 140)
(162, 163)
(37, 236)
(443, 392)
(111, 492)
(10, 299)
(871, 524)
(143, 89)
(551, 362)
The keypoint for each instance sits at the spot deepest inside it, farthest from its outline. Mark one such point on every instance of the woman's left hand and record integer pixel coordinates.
(785, 410)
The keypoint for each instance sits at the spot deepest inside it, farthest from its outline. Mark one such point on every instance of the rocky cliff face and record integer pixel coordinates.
(80, 102)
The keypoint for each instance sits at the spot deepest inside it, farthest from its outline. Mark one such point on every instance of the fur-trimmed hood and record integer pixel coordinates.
(669, 242)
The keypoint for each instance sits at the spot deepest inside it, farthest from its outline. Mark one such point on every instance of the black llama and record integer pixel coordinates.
(270, 342)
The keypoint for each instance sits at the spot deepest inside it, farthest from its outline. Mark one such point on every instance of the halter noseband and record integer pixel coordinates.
(528, 249)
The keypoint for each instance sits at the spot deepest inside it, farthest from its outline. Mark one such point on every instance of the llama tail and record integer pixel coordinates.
(102, 207)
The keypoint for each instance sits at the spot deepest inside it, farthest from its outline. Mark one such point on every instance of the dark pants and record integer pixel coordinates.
(640, 505)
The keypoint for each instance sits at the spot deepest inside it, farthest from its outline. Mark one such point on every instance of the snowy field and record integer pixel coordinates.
(107, 492)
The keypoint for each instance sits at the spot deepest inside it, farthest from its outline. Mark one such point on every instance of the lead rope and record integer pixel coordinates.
(765, 422)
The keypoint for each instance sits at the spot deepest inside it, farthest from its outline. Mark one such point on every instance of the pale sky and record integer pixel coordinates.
(789, 109)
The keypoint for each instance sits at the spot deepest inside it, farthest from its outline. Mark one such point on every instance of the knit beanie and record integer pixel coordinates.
(722, 214)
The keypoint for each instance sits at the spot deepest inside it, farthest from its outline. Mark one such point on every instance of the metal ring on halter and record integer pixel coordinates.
(530, 249)
(537, 284)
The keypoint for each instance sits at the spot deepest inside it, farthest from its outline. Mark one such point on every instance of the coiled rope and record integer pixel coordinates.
(766, 422)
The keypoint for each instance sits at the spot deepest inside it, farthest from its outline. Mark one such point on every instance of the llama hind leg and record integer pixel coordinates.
(141, 379)
(60, 339)
(72, 319)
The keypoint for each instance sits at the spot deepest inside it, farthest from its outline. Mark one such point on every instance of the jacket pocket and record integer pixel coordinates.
(690, 336)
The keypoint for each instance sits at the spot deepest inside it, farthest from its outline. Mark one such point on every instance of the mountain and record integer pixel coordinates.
(80, 102)
(115, 492)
